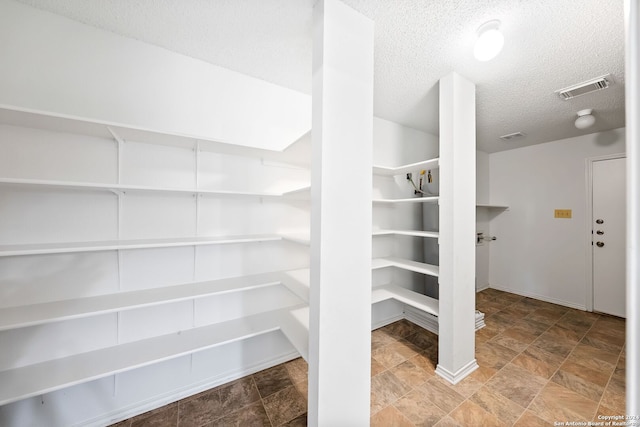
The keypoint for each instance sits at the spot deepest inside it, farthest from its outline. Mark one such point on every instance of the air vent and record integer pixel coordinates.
(583, 88)
(512, 136)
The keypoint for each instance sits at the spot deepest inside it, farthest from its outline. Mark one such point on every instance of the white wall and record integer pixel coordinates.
(54, 64)
(483, 220)
(535, 254)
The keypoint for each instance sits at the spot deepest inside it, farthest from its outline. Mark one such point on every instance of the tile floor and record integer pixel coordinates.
(539, 363)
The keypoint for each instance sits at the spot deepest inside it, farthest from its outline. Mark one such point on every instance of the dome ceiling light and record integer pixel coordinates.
(490, 41)
(585, 119)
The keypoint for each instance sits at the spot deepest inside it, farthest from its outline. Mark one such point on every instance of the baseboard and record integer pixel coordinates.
(539, 297)
(483, 288)
(456, 377)
(386, 321)
(420, 318)
(175, 395)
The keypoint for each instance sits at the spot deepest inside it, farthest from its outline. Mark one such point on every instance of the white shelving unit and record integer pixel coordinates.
(422, 303)
(419, 304)
(430, 199)
(55, 311)
(488, 206)
(255, 308)
(413, 233)
(135, 188)
(110, 245)
(391, 171)
(33, 380)
(418, 267)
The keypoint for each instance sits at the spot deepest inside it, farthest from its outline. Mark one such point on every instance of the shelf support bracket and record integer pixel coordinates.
(120, 143)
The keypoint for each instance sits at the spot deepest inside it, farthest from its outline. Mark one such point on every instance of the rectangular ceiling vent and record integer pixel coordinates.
(583, 88)
(512, 136)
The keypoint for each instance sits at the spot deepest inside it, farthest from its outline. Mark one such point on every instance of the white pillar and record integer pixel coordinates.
(632, 24)
(341, 182)
(456, 318)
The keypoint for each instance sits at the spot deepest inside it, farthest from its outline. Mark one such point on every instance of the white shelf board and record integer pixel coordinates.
(405, 296)
(418, 267)
(108, 245)
(397, 170)
(430, 199)
(297, 281)
(70, 185)
(295, 326)
(483, 205)
(303, 193)
(17, 116)
(37, 314)
(414, 233)
(301, 238)
(33, 380)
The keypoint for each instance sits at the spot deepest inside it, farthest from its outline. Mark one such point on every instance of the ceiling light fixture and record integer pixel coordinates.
(490, 41)
(585, 119)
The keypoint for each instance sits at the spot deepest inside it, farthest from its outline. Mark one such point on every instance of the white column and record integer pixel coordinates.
(341, 182)
(632, 24)
(456, 319)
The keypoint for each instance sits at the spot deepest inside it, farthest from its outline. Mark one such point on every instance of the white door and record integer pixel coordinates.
(609, 224)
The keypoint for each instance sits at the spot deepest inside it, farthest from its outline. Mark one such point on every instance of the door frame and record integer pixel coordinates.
(589, 221)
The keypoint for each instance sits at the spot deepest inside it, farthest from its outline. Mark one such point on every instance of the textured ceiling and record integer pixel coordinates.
(549, 44)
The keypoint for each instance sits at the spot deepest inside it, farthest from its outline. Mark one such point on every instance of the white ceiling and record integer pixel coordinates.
(549, 44)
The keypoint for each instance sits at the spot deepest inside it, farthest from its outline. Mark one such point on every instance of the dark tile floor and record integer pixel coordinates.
(539, 363)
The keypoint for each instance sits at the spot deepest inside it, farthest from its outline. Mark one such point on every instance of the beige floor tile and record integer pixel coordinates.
(538, 362)
(419, 409)
(386, 388)
(465, 388)
(166, 416)
(411, 374)
(401, 329)
(578, 384)
(272, 380)
(483, 374)
(529, 419)
(594, 358)
(376, 367)
(500, 406)
(494, 355)
(390, 417)
(614, 397)
(238, 394)
(553, 345)
(557, 403)
(395, 353)
(509, 342)
(565, 333)
(592, 375)
(517, 384)
(471, 415)
(380, 338)
(521, 334)
(440, 395)
(428, 362)
(252, 415)
(285, 405)
(448, 422)
(203, 408)
(298, 369)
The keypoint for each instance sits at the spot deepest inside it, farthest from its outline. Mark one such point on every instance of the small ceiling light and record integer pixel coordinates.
(490, 41)
(585, 119)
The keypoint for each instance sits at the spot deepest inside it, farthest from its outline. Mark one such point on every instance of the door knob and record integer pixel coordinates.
(600, 244)
(600, 232)
(599, 221)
